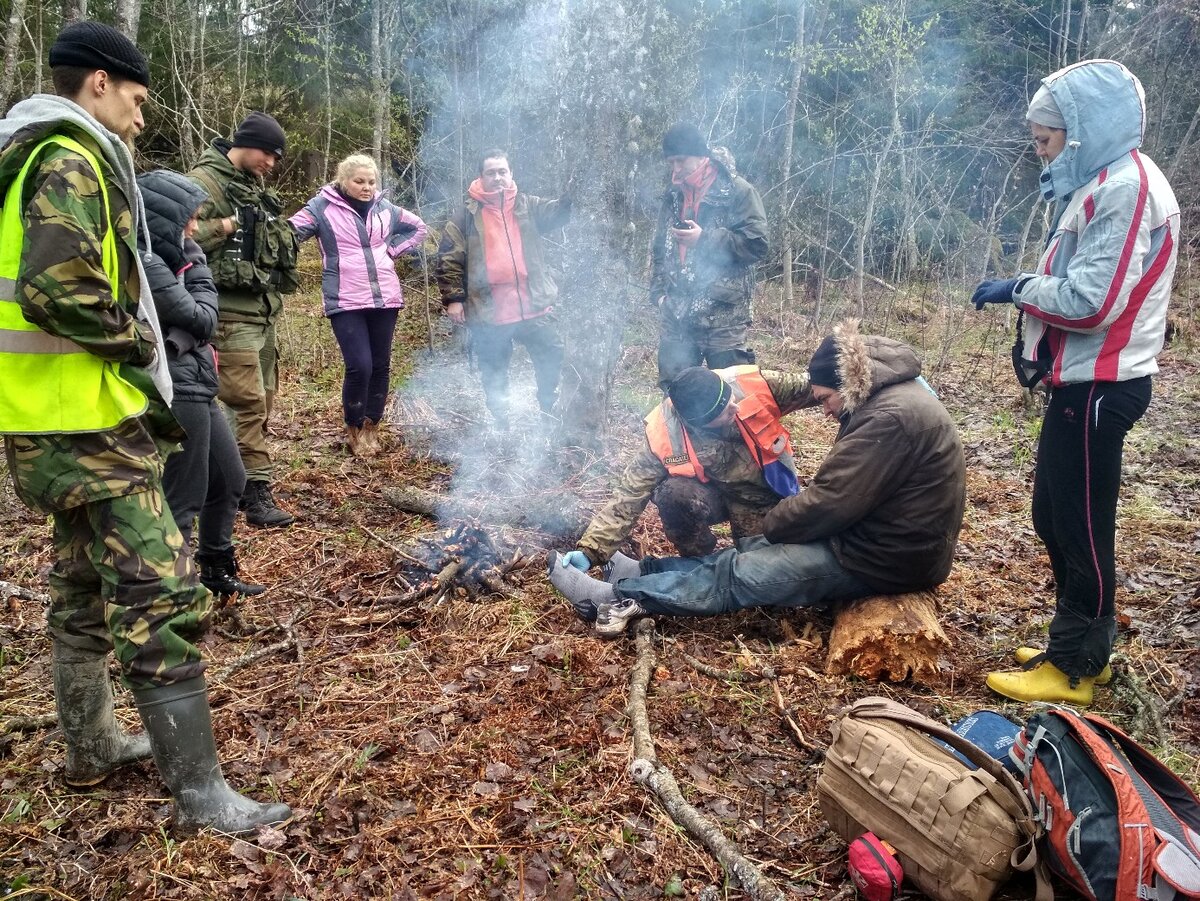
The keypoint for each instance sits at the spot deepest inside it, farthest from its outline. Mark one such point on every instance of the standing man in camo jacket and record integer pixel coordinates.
(711, 232)
(252, 252)
(84, 394)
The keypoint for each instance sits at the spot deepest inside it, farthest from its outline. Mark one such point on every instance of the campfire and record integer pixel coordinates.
(462, 557)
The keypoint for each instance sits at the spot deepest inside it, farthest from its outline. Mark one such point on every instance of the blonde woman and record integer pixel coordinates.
(360, 234)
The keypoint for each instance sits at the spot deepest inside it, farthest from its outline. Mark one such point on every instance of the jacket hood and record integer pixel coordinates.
(44, 114)
(171, 200)
(869, 363)
(1104, 106)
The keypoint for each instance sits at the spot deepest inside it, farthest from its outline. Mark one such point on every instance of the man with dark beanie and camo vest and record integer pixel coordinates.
(252, 252)
(84, 390)
(711, 231)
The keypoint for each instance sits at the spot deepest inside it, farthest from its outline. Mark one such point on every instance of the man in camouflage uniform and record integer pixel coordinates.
(252, 253)
(730, 483)
(83, 410)
(711, 231)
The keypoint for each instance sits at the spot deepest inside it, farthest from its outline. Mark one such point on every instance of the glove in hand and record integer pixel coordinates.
(997, 290)
(577, 559)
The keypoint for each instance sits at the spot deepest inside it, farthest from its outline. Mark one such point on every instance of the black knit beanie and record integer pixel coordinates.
(94, 45)
(684, 139)
(823, 368)
(261, 131)
(699, 395)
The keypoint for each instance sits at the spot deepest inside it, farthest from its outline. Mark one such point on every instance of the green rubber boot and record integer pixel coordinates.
(83, 695)
(179, 724)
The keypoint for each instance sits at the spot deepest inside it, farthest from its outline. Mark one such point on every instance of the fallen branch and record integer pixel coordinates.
(649, 773)
(29, 723)
(13, 590)
(784, 713)
(253, 657)
(1147, 709)
(722, 675)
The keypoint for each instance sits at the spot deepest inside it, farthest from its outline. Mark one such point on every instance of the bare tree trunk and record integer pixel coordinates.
(379, 88)
(129, 15)
(789, 293)
(74, 10)
(12, 43)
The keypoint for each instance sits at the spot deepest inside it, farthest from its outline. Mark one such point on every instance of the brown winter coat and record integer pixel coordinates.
(890, 494)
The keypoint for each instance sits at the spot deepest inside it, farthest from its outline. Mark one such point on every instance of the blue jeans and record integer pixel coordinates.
(756, 573)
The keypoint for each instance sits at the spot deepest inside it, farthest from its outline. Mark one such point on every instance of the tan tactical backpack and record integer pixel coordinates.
(959, 832)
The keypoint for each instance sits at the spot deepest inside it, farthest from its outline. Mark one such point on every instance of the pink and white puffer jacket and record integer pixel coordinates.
(358, 268)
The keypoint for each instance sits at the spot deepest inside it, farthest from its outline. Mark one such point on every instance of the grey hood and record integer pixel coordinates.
(1104, 107)
(49, 111)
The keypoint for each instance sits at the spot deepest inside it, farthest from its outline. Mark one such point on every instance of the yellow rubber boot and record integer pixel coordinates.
(1024, 655)
(1045, 682)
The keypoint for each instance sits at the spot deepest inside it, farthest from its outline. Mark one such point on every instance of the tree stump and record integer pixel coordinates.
(887, 636)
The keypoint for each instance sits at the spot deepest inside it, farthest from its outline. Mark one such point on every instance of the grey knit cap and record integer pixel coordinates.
(1044, 111)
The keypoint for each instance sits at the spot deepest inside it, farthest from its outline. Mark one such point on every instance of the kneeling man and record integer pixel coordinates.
(715, 451)
(881, 515)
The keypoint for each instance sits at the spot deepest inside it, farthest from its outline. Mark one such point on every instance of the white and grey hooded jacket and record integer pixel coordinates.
(1095, 309)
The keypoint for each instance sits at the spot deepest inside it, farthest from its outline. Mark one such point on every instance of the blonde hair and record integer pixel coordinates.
(353, 163)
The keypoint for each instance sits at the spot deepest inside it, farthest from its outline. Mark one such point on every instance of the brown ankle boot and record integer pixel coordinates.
(354, 440)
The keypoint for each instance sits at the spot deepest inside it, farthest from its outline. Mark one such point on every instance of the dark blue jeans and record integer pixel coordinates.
(756, 573)
(365, 337)
(1075, 490)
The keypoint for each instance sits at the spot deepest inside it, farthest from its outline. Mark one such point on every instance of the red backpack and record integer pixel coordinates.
(1117, 824)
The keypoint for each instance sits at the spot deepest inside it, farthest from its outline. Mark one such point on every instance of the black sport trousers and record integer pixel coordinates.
(1076, 483)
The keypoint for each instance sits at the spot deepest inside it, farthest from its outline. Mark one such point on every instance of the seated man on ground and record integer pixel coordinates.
(715, 451)
(881, 515)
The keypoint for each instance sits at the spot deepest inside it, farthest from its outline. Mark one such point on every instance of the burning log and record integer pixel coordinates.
(556, 514)
(461, 557)
(887, 637)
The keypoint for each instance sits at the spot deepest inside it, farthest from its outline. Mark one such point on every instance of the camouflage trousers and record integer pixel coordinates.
(248, 371)
(122, 579)
(690, 508)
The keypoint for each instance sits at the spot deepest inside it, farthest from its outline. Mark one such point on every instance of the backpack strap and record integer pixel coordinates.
(1002, 787)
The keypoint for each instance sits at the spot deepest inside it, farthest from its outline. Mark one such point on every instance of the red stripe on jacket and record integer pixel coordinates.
(1114, 288)
(1109, 359)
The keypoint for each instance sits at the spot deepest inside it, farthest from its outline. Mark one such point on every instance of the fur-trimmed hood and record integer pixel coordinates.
(869, 363)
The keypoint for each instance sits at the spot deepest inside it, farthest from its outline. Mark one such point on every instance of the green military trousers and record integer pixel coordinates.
(247, 370)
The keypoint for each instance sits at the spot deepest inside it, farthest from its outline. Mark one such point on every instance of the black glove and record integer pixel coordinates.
(996, 290)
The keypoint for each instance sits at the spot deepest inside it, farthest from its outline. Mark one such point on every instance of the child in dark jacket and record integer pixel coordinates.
(206, 478)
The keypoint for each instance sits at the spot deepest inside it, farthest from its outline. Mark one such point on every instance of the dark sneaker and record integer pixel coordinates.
(261, 509)
(613, 618)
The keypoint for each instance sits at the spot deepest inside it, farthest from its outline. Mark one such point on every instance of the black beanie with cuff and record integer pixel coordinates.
(699, 395)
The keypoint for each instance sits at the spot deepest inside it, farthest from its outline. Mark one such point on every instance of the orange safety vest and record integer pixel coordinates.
(757, 417)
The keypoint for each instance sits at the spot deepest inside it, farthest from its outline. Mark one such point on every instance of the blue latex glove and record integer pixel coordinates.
(996, 290)
(577, 559)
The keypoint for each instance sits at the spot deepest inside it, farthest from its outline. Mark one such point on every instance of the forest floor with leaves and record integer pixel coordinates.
(477, 746)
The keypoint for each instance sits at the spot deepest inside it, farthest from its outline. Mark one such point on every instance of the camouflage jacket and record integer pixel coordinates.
(462, 270)
(62, 288)
(712, 287)
(238, 189)
(727, 462)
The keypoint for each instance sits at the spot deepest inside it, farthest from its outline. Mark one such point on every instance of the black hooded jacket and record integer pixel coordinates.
(179, 278)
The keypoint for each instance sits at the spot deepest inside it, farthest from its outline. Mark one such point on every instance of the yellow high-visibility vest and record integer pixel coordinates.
(47, 383)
